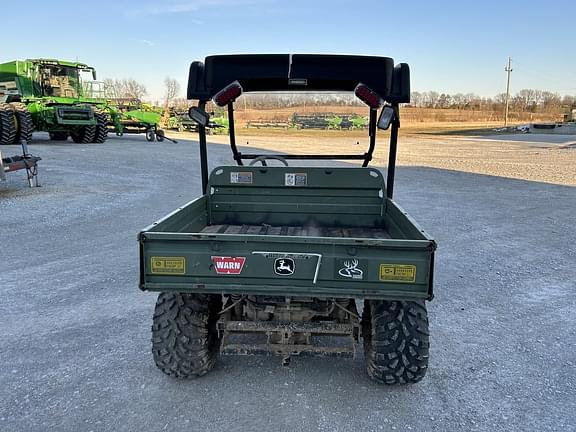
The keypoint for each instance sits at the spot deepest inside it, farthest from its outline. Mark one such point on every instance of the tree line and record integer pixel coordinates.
(129, 88)
(525, 100)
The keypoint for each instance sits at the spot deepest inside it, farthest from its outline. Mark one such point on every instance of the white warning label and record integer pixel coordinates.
(295, 179)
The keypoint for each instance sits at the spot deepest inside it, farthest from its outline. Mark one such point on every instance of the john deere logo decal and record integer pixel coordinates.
(284, 266)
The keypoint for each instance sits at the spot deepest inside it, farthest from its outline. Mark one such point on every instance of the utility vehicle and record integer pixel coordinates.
(292, 260)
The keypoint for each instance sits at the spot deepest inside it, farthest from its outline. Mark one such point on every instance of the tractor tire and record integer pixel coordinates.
(396, 341)
(25, 125)
(58, 136)
(84, 134)
(8, 127)
(185, 341)
(102, 127)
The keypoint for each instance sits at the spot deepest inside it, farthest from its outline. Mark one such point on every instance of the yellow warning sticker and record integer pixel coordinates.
(397, 273)
(168, 265)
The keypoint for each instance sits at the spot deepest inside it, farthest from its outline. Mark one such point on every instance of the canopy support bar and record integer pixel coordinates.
(232, 131)
(372, 134)
(393, 150)
(203, 151)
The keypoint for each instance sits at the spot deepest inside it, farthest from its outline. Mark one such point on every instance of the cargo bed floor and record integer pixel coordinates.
(297, 231)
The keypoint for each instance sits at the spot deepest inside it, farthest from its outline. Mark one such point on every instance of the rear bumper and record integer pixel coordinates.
(288, 338)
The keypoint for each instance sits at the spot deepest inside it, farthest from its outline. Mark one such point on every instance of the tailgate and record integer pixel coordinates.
(287, 266)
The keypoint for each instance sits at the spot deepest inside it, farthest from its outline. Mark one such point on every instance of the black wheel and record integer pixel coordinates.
(101, 133)
(396, 341)
(25, 126)
(83, 134)
(8, 128)
(58, 136)
(185, 341)
(160, 135)
(150, 135)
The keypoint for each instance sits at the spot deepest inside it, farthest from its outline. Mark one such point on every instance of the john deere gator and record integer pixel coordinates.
(292, 260)
(52, 96)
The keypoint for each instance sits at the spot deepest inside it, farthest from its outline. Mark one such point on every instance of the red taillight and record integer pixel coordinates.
(368, 96)
(228, 94)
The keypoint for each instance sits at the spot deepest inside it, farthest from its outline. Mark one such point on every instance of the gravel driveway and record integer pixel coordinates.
(75, 352)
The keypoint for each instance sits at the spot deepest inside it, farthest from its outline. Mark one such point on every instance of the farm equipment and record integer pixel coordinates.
(328, 121)
(181, 122)
(49, 95)
(25, 161)
(292, 260)
(18, 121)
(131, 116)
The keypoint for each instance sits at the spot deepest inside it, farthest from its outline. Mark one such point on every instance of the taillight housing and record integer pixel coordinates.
(368, 96)
(228, 94)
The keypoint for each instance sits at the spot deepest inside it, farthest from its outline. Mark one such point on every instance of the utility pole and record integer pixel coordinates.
(508, 70)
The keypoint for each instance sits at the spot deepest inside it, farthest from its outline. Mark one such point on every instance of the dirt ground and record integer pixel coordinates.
(543, 158)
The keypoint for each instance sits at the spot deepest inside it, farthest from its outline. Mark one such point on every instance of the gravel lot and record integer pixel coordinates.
(75, 352)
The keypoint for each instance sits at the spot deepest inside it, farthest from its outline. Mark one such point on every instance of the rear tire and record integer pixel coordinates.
(185, 341)
(8, 128)
(101, 133)
(25, 125)
(84, 134)
(150, 135)
(396, 341)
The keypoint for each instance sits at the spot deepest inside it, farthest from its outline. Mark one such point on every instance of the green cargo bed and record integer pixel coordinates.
(320, 232)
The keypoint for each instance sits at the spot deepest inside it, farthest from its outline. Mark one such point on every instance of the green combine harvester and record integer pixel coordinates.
(64, 99)
(51, 96)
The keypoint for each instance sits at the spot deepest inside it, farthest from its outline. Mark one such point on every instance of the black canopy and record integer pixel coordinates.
(299, 72)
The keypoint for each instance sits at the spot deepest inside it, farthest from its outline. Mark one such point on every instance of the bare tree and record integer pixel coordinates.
(133, 89)
(568, 101)
(124, 88)
(500, 98)
(416, 99)
(112, 88)
(551, 102)
(171, 91)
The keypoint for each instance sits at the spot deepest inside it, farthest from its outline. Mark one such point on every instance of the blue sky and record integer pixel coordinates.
(451, 46)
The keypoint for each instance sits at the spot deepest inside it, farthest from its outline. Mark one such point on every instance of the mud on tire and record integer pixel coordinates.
(185, 341)
(396, 341)
(8, 127)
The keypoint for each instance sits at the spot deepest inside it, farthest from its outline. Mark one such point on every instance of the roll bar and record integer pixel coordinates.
(375, 80)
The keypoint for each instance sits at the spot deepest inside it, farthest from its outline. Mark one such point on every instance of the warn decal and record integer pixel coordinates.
(228, 265)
